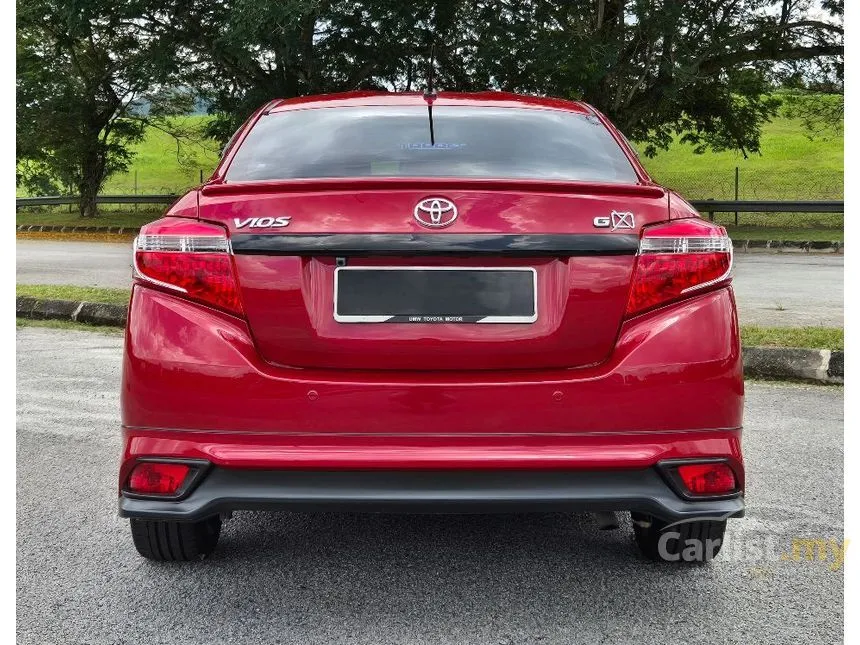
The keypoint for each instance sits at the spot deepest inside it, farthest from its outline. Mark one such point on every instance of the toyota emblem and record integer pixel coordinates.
(435, 212)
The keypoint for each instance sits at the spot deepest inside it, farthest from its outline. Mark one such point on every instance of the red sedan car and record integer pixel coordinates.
(445, 303)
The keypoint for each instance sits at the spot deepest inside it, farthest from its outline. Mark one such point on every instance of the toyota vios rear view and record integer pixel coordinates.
(483, 307)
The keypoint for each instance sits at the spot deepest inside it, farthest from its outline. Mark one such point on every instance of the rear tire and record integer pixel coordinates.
(693, 541)
(168, 541)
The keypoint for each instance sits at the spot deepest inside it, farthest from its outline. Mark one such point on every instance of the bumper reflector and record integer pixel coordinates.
(153, 478)
(708, 479)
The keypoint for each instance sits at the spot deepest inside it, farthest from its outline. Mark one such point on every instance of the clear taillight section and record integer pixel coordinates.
(676, 259)
(189, 258)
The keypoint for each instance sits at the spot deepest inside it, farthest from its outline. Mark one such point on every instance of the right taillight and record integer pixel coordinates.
(676, 259)
(189, 258)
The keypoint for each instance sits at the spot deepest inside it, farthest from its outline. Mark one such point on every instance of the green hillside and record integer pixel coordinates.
(790, 166)
(160, 169)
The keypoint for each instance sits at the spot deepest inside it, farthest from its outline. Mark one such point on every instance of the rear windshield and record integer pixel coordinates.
(395, 142)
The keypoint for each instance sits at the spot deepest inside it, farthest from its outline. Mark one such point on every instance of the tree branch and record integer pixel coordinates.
(717, 63)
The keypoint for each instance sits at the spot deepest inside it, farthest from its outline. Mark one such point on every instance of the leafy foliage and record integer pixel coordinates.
(822, 115)
(701, 69)
(81, 66)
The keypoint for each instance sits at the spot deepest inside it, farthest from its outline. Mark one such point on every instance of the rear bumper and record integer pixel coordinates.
(194, 387)
(640, 490)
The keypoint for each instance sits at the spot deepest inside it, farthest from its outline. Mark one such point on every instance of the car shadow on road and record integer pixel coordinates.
(387, 568)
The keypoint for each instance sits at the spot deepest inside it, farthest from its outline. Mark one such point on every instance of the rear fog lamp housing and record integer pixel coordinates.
(708, 479)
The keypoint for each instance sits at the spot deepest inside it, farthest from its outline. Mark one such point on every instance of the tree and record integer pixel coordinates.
(700, 68)
(82, 66)
(242, 53)
(704, 68)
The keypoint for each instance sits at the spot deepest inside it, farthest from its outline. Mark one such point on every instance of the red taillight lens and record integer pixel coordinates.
(708, 479)
(153, 478)
(676, 259)
(191, 258)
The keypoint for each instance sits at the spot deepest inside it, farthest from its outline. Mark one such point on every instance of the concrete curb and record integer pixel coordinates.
(46, 228)
(821, 365)
(788, 246)
(93, 313)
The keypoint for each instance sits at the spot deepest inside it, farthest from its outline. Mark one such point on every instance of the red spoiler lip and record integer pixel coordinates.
(431, 184)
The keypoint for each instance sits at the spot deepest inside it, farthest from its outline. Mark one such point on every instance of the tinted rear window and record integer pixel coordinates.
(395, 142)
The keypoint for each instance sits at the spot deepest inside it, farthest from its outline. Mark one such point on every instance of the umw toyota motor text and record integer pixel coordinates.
(508, 315)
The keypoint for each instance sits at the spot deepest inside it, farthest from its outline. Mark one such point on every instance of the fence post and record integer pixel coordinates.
(201, 175)
(135, 187)
(710, 213)
(737, 183)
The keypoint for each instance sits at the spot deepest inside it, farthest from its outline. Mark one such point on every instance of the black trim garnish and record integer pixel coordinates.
(361, 244)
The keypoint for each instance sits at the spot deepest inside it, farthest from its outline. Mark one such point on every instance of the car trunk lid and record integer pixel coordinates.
(573, 243)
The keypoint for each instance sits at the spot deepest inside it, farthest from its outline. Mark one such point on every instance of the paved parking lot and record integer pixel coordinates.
(510, 579)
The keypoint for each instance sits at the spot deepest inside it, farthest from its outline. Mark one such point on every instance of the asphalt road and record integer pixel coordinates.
(87, 264)
(772, 289)
(296, 578)
(789, 289)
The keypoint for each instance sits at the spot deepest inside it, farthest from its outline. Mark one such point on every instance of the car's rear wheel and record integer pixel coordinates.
(685, 541)
(168, 541)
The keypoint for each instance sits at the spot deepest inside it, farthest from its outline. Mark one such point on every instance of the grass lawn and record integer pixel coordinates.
(158, 169)
(68, 292)
(813, 337)
(790, 166)
(68, 324)
(786, 233)
(60, 216)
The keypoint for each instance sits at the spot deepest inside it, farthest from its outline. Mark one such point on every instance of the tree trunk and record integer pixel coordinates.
(88, 194)
(92, 178)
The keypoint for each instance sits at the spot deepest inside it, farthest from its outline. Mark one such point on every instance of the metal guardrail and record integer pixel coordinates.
(101, 199)
(703, 205)
(767, 206)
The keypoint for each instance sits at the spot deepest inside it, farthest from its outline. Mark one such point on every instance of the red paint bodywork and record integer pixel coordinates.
(288, 387)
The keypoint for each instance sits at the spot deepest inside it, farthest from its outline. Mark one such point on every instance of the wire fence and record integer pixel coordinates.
(744, 184)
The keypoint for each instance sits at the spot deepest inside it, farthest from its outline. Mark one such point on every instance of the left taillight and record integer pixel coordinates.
(189, 258)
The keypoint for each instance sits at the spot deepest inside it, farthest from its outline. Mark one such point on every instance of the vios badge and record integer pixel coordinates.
(616, 219)
(435, 212)
(262, 222)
